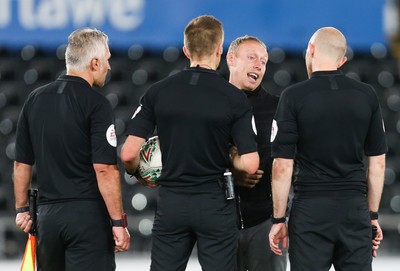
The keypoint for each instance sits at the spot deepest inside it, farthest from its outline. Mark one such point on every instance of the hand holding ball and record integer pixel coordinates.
(150, 164)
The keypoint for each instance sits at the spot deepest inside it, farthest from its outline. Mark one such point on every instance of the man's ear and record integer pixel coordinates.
(311, 49)
(94, 64)
(219, 49)
(230, 59)
(185, 51)
(342, 61)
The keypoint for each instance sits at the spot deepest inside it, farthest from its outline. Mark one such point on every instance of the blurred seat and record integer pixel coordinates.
(9, 118)
(121, 68)
(155, 67)
(44, 69)
(118, 92)
(14, 92)
(11, 68)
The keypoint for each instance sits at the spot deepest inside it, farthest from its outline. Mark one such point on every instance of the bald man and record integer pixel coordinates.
(326, 126)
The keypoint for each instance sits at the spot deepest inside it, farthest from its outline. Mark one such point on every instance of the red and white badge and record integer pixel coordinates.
(274, 130)
(111, 136)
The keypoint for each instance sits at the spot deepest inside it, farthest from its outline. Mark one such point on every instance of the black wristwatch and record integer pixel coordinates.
(278, 220)
(120, 222)
(22, 209)
(373, 215)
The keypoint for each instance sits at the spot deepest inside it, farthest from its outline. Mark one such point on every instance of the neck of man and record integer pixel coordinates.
(87, 76)
(324, 64)
(203, 64)
(210, 62)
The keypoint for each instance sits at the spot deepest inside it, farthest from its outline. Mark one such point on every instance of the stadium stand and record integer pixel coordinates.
(132, 72)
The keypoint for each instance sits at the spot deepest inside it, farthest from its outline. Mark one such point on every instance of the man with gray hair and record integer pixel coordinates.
(67, 130)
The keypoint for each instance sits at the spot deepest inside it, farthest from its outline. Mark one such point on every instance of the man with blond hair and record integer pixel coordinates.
(198, 116)
(247, 59)
(327, 125)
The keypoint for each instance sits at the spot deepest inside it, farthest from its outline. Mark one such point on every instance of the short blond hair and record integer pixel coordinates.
(202, 35)
(233, 47)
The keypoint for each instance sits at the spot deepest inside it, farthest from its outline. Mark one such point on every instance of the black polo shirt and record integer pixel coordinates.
(328, 124)
(64, 128)
(198, 114)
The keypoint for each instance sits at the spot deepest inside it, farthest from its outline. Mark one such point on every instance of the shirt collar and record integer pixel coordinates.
(326, 73)
(74, 78)
(252, 92)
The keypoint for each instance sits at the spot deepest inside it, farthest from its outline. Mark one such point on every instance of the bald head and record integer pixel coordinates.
(326, 50)
(330, 42)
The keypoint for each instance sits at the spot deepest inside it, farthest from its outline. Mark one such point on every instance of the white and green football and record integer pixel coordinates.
(150, 164)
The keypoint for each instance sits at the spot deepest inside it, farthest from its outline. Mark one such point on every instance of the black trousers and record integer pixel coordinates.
(74, 236)
(185, 217)
(254, 253)
(330, 230)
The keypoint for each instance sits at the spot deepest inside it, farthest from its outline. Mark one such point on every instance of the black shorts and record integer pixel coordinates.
(330, 230)
(74, 235)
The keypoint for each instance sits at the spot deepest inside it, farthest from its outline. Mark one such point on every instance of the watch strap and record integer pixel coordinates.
(22, 209)
(373, 215)
(120, 222)
(278, 220)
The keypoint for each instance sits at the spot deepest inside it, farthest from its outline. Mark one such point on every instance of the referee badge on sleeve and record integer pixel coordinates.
(253, 124)
(111, 136)
(274, 130)
(137, 111)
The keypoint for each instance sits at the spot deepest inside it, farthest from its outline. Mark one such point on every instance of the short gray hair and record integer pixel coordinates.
(84, 44)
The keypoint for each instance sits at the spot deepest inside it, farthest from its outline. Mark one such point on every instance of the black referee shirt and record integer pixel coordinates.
(64, 128)
(198, 114)
(328, 123)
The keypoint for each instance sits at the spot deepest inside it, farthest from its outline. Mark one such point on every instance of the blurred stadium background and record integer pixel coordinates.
(146, 42)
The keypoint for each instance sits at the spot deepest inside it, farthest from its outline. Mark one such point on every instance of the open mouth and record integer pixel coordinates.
(253, 76)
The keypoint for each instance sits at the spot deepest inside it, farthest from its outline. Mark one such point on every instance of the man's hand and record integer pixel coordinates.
(122, 239)
(24, 221)
(277, 235)
(243, 179)
(145, 182)
(378, 238)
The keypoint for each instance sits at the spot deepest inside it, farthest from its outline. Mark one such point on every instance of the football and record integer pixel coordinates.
(150, 164)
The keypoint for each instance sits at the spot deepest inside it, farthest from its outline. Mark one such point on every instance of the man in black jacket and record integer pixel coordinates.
(247, 59)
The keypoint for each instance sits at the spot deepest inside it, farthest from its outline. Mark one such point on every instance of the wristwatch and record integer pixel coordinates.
(120, 222)
(373, 215)
(22, 209)
(278, 220)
